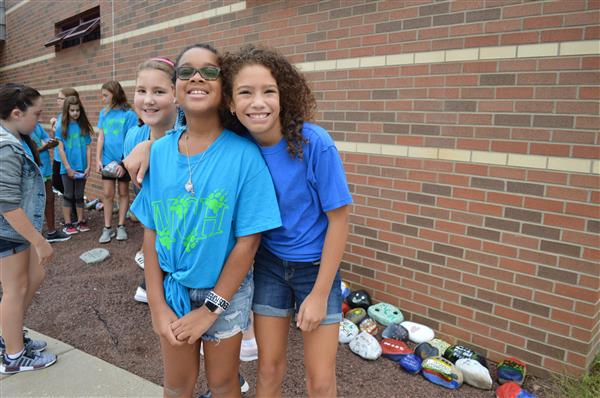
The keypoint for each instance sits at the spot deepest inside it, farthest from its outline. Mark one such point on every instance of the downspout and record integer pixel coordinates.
(2, 21)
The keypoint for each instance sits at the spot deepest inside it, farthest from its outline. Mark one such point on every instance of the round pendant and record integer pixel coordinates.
(189, 186)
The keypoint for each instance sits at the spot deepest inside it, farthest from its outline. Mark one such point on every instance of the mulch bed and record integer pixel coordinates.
(92, 309)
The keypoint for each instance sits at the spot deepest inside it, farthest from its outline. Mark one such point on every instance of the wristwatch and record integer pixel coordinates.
(215, 303)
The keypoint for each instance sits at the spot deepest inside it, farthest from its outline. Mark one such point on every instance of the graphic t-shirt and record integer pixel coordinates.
(233, 196)
(115, 124)
(40, 137)
(75, 146)
(306, 189)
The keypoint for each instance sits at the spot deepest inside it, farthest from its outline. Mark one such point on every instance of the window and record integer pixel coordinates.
(76, 30)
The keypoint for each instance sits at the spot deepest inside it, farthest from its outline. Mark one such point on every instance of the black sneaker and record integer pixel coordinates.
(244, 387)
(29, 344)
(57, 236)
(29, 360)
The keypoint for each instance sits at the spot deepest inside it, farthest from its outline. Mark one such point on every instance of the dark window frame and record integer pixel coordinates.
(76, 30)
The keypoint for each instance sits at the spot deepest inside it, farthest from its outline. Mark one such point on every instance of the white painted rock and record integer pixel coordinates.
(348, 331)
(474, 373)
(418, 333)
(366, 346)
(95, 256)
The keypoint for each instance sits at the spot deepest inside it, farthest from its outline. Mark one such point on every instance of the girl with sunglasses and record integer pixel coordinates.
(23, 250)
(203, 206)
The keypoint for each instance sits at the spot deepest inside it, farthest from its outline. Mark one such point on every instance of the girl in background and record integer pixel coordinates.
(115, 119)
(23, 249)
(74, 139)
(296, 267)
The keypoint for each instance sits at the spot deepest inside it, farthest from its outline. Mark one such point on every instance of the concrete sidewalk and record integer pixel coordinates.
(75, 374)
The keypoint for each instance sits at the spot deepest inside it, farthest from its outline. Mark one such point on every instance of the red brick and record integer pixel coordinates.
(585, 181)
(567, 193)
(591, 254)
(519, 38)
(554, 64)
(550, 325)
(583, 210)
(534, 106)
(544, 204)
(579, 107)
(554, 300)
(522, 10)
(503, 198)
(582, 18)
(542, 22)
(564, 221)
(512, 314)
(485, 208)
(480, 145)
(520, 240)
(571, 318)
(558, 35)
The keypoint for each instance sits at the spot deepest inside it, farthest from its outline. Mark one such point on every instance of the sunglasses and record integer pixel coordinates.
(207, 72)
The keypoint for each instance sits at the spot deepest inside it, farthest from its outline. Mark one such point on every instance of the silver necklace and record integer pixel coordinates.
(189, 185)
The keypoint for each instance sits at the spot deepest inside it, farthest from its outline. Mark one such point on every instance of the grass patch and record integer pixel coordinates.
(587, 386)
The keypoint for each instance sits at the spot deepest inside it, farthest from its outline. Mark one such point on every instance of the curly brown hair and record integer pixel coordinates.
(297, 102)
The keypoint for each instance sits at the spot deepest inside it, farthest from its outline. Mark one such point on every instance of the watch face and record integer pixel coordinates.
(212, 307)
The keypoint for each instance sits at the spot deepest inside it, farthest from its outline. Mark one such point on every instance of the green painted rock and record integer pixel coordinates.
(356, 315)
(385, 313)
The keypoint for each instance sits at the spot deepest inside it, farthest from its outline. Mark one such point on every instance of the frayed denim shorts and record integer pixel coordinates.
(281, 286)
(236, 319)
(8, 248)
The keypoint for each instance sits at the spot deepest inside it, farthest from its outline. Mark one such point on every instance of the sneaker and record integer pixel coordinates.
(29, 360)
(249, 351)
(83, 227)
(29, 344)
(107, 235)
(139, 259)
(140, 294)
(121, 233)
(244, 387)
(70, 229)
(57, 236)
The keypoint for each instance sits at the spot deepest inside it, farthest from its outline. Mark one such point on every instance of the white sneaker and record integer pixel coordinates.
(140, 295)
(249, 350)
(121, 233)
(107, 235)
(139, 259)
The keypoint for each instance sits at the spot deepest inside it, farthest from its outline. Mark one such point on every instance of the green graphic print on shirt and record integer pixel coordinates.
(174, 218)
(74, 141)
(114, 125)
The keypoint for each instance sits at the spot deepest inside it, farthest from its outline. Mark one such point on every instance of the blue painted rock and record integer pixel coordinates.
(359, 298)
(442, 372)
(370, 326)
(510, 369)
(440, 344)
(394, 349)
(345, 289)
(385, 313)
(418, 333)
(457, 351)
(366, 346)
(426, 350)
(348, 331)
(474, 374)
(356, 315)
(512, 390)
(395, 331)
(411, 363)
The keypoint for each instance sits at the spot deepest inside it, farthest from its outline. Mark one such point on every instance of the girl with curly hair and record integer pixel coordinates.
(296, 266)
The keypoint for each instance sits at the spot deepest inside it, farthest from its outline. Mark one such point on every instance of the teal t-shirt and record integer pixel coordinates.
(40, 137)
(134, 136)
(115, 124)
(75, 146)
(233, 197)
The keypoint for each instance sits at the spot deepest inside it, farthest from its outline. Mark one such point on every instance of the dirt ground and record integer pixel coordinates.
(92, 309)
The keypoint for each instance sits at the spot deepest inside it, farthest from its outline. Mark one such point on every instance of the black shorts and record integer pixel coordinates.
(125, 178)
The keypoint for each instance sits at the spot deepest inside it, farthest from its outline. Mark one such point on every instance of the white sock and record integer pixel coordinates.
(249, 342)
(15, 356)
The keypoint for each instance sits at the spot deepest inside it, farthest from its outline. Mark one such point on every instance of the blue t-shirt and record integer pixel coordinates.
(75, 147)
(233, 197)
(56, 153)
(134, 136)
(306, 189)
(40, 137)
(115, 124)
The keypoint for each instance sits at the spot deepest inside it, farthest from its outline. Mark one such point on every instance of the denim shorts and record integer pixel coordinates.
(8, 248)
(235, 319)
(281, 286)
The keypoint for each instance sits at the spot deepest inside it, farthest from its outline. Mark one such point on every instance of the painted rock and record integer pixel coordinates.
(410, 363)
(418, 333)
(512, 390)
(359, 298)
(370, 326)
(394, 349)
(426, 350)
(440, 344)
(511, 369)
(442, 372)
(385, 313)
(345, 289)
(457, 351)
(345, 307)
(366, 346)
(356, 315)
(395, 331)
(348, 331)
(474, 373)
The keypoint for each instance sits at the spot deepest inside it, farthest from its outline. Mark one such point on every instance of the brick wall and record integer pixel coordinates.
(469, 133)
